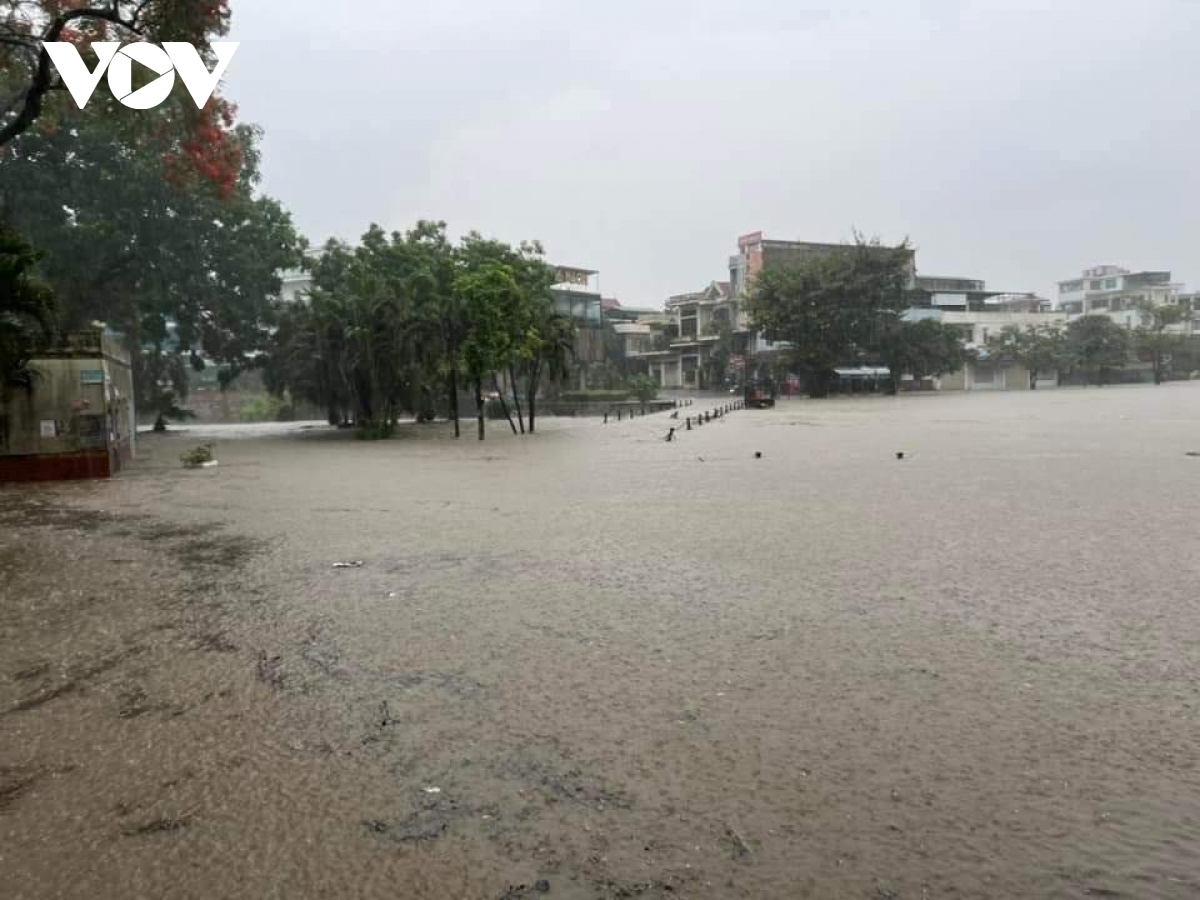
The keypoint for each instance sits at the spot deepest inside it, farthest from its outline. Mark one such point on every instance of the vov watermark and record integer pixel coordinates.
(173, 57)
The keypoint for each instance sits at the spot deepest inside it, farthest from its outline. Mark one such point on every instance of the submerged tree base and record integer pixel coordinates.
(375, 431)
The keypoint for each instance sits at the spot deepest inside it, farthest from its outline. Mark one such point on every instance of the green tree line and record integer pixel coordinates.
(403, 320)
(847, 307)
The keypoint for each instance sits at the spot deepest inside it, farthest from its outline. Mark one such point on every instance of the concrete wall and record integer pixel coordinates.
(78, 419)
(992, 377)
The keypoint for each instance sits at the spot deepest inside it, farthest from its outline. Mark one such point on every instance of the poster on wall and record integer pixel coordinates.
(49, 428)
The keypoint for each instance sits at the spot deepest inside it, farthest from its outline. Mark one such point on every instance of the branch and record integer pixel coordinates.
(42, 76)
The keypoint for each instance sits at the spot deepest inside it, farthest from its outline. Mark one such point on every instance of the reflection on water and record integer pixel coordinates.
(596, 664)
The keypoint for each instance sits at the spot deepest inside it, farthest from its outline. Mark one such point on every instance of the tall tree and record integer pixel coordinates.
(923, 349)
(1039, 348)
(27, 312)
(831, 306)
(527, 309)
(1097, 344)
(486, 291)
(1156, 339)
(175, 259)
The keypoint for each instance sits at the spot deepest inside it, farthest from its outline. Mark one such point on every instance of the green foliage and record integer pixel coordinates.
(1039, 348)
(1156, 341)
(375, 431)
(922, 349)
(197, 456)
(175, 266)
(831, 307)
(720, 355)
(1097, 344)
(644, 388)
(391, 323)
(27, 311)
(265, 408)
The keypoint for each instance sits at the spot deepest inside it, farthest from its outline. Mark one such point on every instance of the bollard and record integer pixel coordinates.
(689, 423)
(606, 417)
(670, 435)
(618, 414)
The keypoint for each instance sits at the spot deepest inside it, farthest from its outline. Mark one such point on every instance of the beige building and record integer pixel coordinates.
(977, 326)
(78, 418)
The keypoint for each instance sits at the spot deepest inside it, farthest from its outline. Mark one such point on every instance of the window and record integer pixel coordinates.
(1095, 285)
(1110, 284)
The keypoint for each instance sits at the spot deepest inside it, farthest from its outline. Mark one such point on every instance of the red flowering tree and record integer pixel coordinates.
(32, 94)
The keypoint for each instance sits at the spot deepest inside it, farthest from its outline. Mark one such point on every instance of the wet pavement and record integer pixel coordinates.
(593, 664)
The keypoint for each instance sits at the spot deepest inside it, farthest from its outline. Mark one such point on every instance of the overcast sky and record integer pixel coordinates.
(1018, 141)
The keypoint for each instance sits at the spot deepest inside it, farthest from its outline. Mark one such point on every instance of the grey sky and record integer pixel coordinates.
(1012, 140)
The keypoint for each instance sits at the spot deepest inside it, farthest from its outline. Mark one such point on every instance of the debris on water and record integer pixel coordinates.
(1192, 453)
(900, 454)
(391, 595)
(385, 716)
(352, 564)
(200, 457)
(433, 790)
(542, 886)
(158, 826)
(758, 454)
(740, 848)
(267, 669)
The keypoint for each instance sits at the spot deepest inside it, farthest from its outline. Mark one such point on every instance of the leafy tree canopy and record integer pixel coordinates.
(831, 307)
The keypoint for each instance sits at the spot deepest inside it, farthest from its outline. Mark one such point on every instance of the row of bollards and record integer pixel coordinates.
(633, 413)
(708, 416)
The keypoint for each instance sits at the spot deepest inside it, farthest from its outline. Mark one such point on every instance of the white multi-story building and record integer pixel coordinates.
(982, 371)
(1118, 293)
(294, 285)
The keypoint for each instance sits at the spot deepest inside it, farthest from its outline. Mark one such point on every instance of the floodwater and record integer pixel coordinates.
(593, 664)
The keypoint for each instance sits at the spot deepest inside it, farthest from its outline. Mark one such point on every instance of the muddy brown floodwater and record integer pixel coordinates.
(593, 664)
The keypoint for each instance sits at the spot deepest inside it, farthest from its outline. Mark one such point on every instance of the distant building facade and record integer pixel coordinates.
(1119, 294)
(710, 329)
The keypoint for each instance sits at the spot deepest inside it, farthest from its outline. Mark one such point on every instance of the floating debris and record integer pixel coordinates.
(352, 564)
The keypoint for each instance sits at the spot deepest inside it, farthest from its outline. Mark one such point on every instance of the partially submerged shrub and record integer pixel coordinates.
(197, 456)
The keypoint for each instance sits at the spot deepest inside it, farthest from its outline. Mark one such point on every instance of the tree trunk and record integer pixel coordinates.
(512, 377)
(534, 377)
(503, 405)
(479, 403)
(818, 383)
(454, 397)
